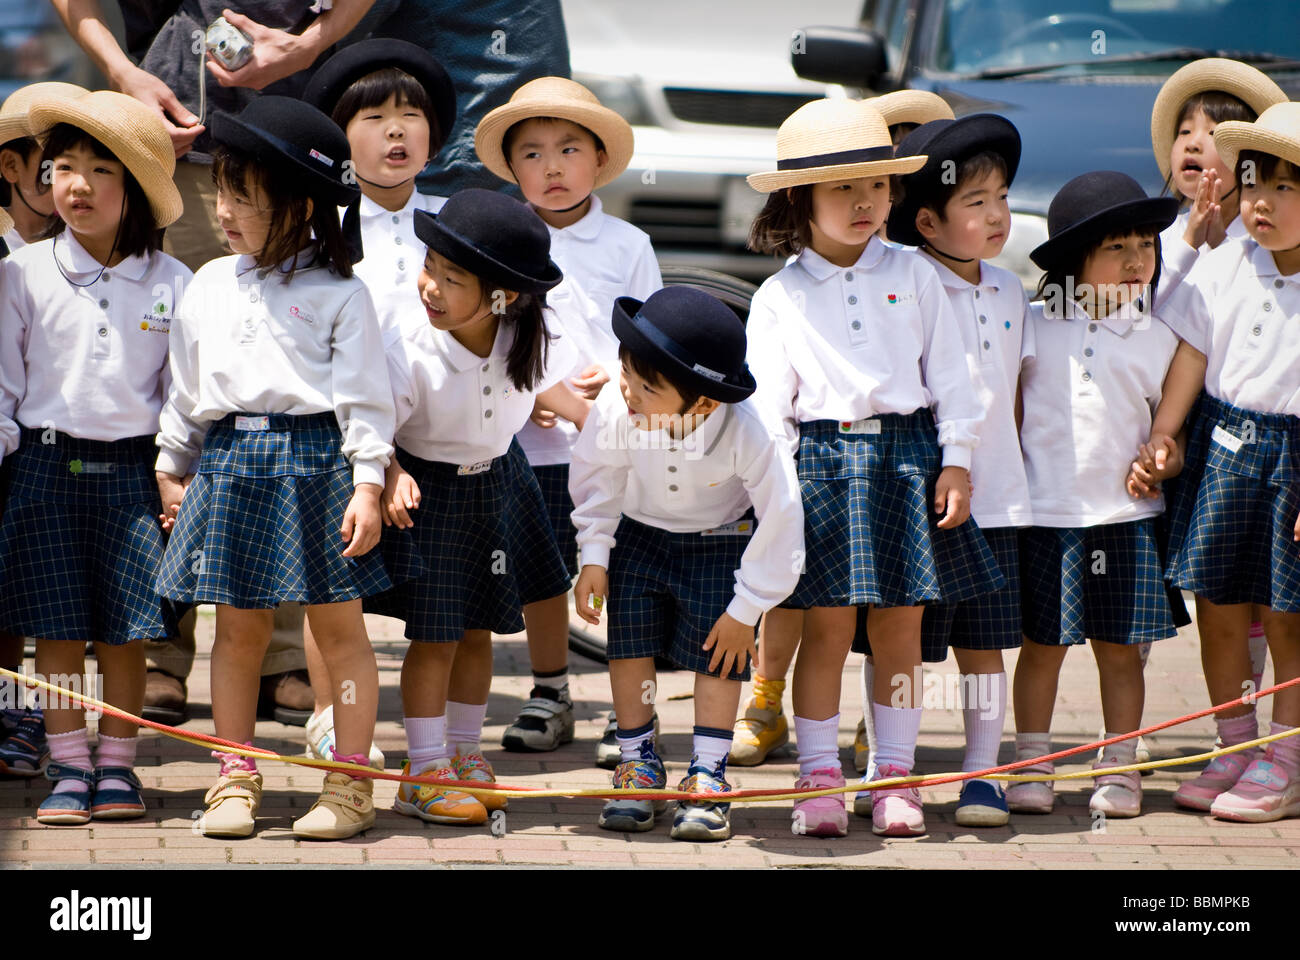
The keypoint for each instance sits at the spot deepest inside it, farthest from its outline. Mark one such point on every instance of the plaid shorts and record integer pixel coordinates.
(667, 590)
(1101, 582)
(1231, 535)
(869, 528)
(545, 573)
(553, 480)
(259, 524)
(80, 542)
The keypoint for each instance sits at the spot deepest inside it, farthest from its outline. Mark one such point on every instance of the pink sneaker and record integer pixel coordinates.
(821, 816)
(1032, 797)
(1265, 792)
(1116, 794)
(1220, 774)
(896, 812)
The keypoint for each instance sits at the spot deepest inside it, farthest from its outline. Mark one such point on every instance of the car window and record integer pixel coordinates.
(896, 34)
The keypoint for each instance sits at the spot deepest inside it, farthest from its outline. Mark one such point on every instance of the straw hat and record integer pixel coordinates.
(1241, 80)
(1277, 131)
(912, 106)
(133, 132)
(832, 140)
(13, 112)
(555, 97)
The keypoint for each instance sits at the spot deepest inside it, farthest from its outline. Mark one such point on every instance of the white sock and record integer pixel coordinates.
(818, 743)
(558, 681)
(897, 729)
(426, 742)
(983, 719)
(1258, 652)
(71, 749)
(710, 747)
(1122, 753)
(869, 716)
(465, 727)
(631, 742)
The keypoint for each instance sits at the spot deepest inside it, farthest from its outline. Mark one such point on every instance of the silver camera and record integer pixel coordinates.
(228, 44)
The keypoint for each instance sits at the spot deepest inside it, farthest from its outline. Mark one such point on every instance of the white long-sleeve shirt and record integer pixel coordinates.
(849, 343)
(246, 341)
(90, 360)
(1177, 257)
(704, 481)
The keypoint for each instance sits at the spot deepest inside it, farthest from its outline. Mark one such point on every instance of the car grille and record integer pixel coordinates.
(734, 108)
(678, 222)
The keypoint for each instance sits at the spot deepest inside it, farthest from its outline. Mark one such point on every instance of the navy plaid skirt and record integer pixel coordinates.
(667, 590)
(869, 528)
(1101, 582)
(259, 524)
(1231, 530)
(80, 541)
(553, 481)
(542, 572)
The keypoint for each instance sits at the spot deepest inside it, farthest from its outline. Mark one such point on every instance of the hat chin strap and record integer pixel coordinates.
(382, 186)
(575, 206)
(18, 191)
(948, 256)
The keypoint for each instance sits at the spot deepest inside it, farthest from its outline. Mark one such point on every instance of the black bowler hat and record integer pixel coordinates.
(294, 136)
(495, 237)
(947, 142)
(1093, 206)
(693, 338)
(353, 62)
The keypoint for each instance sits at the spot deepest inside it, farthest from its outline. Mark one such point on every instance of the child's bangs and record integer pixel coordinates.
(64, 137)
(508, 141)
(1216, 105)
(374, 89)
(1255, 167)
(237, 171)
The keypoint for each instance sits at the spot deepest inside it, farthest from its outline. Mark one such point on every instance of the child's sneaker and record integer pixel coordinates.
(320, 739)
(545, 722)
(608, 753)
(636, 814)
(762, 728)
(1033, 796)
(435, 803)
(345, 808)
(821, 816)
(1220, 774)
(701, 820)
(24, 752)
(896, 812)
(1116, 794)
(232, 804)
(474, 768)
(1265, 792)
(982, 804)
(861, 749)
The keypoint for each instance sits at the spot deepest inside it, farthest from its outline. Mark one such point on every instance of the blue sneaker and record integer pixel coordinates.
(982, 804)
(24, 753)
(701, 820)
(636, 815)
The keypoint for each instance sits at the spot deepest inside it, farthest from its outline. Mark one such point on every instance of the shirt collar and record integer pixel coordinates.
(75, 261)
(1264, 265)
(245, 263)
(585, 229)
(822, 269)
(1119, 322)
(460, 358)
(370, 209)
(988, 279)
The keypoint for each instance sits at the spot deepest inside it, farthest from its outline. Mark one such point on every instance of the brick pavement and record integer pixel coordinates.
(564, 832)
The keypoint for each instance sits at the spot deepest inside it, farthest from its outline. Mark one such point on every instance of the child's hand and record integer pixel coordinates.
(589, 592)
(546, 419)
(401, 494)
(952, 497)
(589, 382)
(1296, 531)
(1158, 460)
(361, 521)
(171, 490)
(732, 643)
(1203, 224)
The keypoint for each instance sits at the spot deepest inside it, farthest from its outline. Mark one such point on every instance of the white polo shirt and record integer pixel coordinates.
(86, 354)
(453, 406)
(848, 343)
(702, 482)
(1177, 257)
(993, 318)
(244, 340)
(393, 255)
(1238, 310)
(1090, 390)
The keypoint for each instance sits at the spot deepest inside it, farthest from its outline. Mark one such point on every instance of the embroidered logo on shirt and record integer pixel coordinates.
(301, 314)
(898, 299)
(470, 469)
(157, 321)
(741, 528)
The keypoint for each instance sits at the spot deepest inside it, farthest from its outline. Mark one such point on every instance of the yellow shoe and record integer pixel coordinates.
(763, 727)
(473, 767)
(345, 808)
(436, 804)
(232, 805)
(861, 751)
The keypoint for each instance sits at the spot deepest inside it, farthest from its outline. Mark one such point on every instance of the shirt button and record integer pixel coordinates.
(1267, 306)
(401, 264)
(106, 276)
(852, 300)
(672, 487)
(252, 296)
(672, 449)
(103, 304)
(396, 219)
(397, 240)
(983, 319)
(1257, 329)
(103, 331)
(848, 276)
(1277, 283)
(856, 324)
(986, 344)
(672, 469)
(1092, 328)
(1087, 351)
(485, 368)
(977, 294)
(1086, 376)
(487, 414)
(487, 391)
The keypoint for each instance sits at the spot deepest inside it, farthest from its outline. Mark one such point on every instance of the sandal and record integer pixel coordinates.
(71, 808)
(116, 803)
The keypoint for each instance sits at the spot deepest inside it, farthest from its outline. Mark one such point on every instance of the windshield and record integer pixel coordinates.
(979, 35)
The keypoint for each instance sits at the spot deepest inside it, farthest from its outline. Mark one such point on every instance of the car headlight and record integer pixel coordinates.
(1028, 230)
(620, 94)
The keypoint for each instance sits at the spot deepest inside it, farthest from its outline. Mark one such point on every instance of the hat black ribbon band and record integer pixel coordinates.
(836, 159)
(675, 350)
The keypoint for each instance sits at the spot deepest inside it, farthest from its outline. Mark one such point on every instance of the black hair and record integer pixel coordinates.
(138, 233)
(1261, 167)
(508, 140)
(782, 226)
(291, 229)
(897, 131)
(24, 147)
(526, 361)
(374, 89)
(1064, 275)
(1216, 105)
(652, 375)
(937, 193)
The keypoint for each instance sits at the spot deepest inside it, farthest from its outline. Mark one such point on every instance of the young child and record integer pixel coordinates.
(281, 417)
(465, 375)
(23, 196)
(852, 343)
(82, 378)
(1090, 567)
(397, 105)
(763, 728)
(668, 479)
(560, 144)
(955, 210)
(1234, 531)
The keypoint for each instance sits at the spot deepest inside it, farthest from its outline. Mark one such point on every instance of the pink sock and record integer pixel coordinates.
(115, 752)
(1237, 730)
(71, 749)
(1286, 753)
(234, 761)
(361, 759)
(1258, 652)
